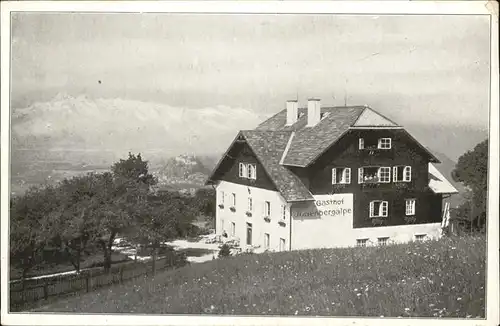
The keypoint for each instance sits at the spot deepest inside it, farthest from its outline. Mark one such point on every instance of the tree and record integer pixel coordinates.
(205, 201)
(122, 200)
(75, 216)
(31, 227)
(160, 218)
(472, 171)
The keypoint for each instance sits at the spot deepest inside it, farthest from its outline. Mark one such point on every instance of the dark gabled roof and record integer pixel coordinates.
(278, 147)
(310, 142)
(268, 147)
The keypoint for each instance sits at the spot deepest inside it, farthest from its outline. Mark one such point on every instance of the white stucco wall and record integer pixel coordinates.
(334, 228)
(239, 217)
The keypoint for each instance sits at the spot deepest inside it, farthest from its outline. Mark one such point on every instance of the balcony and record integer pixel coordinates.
(339, 187)
(249, 214)
(267, 219)
(378, 221)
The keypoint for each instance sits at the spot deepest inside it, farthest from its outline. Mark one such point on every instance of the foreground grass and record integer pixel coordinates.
(444, 278)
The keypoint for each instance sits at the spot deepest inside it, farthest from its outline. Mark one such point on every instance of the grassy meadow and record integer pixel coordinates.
(443, 278)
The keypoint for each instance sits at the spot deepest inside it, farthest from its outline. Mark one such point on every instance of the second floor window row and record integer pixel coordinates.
(372, 174)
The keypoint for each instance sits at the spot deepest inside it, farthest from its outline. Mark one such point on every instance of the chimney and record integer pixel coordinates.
(313, 112)
(291, 112)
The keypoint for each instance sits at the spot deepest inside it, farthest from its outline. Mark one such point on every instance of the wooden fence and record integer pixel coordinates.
(26, 297)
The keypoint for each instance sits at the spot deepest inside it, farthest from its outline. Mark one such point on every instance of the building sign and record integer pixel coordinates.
(325, 206)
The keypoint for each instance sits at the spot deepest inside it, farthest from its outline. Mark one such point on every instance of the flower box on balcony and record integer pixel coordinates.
(401, 185)
(282, 223)
(267, 219)
(221, 206)
(339, 186)
(410, 219)
(378, 221)
(249, 214)
(232, 209)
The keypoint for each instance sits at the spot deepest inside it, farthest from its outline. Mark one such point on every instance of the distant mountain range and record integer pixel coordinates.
(71, 135)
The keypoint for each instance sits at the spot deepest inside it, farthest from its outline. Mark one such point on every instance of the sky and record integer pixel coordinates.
(416, 69)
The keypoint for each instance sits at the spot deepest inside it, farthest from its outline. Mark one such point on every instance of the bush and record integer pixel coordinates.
(225, 251)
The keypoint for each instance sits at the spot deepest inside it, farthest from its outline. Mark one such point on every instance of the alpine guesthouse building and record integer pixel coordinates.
(323, 177)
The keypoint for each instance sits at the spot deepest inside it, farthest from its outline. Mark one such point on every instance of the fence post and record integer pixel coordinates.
(45, 290)
(87, 278)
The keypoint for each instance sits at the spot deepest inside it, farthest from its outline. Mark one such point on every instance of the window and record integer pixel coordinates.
(243, 170)
(282, 244)
(341, 175)
(361, 242)
(283, 212)
(361, 143)
(250, 204)
(379, 208)
(252, 171)
(234, 199)
(267, 208)
(410, 207)
(420, 237)
(368, 143)
(249, 234)
(222, 225)
(233, 229)
(384, 143)
(374, 174)
(248, 171)
(384, 174)
(383, 241)
(267, 240)
(401, 173)
(222, 197)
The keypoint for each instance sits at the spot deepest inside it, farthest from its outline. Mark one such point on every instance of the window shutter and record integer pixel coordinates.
(360, 175)
(372, 206)
(255, 172)
(384, 208)
(334, 176)
(407, 174)
(395, 174)
(347, 175)
(241, 170)
(361, 143)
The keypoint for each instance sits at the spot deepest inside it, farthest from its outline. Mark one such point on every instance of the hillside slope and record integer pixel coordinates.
(444, 278)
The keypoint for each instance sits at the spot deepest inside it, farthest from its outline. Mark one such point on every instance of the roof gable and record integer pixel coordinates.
(370, 118)
(268, 147)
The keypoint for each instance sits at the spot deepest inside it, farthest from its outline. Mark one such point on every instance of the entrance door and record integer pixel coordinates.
(249, 234)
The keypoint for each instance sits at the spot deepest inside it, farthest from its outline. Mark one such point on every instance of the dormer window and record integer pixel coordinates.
(324, 115)
(248, 171)
(341, 176)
